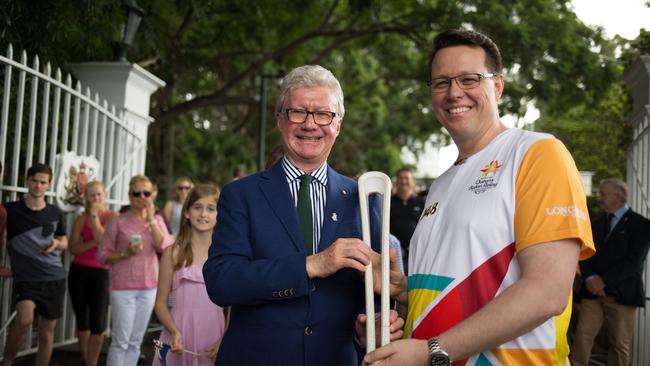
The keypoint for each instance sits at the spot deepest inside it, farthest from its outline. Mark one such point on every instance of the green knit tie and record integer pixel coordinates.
(304, 212)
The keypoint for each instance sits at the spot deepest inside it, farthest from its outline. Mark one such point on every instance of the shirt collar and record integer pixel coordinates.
(621, 211)
(292, 172)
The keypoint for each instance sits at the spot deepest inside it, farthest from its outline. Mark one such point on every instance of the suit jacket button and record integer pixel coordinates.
(308, 330)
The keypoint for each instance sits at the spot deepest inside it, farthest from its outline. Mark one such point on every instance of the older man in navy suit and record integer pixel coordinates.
(613, 285)
(286, 253)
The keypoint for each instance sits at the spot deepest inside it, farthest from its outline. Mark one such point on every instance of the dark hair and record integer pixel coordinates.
(39, 168)
(462, 37)
(403, 169)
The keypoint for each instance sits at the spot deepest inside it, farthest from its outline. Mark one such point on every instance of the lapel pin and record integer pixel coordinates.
(344, 192)
(334, 217)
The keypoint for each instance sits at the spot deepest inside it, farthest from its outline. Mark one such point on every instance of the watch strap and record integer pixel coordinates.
(438, 356)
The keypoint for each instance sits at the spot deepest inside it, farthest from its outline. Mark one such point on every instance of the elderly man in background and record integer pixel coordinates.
(613, 278)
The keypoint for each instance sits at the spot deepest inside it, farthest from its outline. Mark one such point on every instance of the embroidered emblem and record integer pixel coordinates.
(487, 179)
(491, 168)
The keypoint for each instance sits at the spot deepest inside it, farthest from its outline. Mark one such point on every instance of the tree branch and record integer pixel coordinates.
(344, 35)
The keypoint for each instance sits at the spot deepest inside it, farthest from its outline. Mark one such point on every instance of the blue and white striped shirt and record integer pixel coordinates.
(317, 192)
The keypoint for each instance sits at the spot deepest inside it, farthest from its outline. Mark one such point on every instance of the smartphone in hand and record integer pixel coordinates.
(136, 239)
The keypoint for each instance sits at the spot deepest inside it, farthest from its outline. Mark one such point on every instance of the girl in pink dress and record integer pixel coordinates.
(195, 325)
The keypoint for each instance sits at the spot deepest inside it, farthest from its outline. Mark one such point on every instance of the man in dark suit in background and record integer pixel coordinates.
(613, 287)
(290, 272)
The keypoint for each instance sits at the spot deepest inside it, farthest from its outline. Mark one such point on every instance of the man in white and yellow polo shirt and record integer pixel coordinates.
(495, 251)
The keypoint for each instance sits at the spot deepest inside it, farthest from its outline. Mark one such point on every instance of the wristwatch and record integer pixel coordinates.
(438, 356)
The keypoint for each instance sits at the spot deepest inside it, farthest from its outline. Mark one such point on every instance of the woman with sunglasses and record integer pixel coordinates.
(129, 246)
(173, 207)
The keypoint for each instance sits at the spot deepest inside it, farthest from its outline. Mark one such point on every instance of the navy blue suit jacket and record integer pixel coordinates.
(619, 258)
(257, 265)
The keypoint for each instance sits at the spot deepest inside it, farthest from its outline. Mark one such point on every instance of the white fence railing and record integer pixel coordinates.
(638, 171)
(44, 116)
(637, 76)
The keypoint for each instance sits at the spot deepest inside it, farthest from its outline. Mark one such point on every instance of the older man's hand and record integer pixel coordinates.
(397, 280)
(344, 253)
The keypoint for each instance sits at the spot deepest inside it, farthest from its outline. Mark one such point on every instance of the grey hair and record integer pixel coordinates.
(310, 76)
(619, 186)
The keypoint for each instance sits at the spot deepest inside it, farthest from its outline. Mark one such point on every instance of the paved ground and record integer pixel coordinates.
(70, 356)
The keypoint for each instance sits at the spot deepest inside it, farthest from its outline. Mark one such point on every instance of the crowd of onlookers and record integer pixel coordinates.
(134, 260)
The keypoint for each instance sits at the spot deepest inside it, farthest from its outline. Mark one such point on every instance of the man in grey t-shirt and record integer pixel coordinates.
(35, 240)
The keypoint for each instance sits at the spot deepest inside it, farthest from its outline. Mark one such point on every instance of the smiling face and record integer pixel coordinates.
(202, 214)
(307, 145)
(405, 183)
(467, 114)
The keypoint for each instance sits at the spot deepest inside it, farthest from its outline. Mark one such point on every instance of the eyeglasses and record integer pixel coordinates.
(183, 188)
(464, 81)
(322, 118)
(138, 194)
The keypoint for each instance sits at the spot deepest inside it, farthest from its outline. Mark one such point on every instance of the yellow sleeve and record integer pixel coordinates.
(550, 202)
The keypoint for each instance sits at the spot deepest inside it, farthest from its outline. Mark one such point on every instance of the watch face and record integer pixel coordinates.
(439, 359)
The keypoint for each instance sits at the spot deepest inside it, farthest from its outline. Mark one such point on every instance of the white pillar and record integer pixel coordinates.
(126, 86)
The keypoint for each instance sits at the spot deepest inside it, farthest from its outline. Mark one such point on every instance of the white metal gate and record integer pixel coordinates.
(42, 116)
(637, 76)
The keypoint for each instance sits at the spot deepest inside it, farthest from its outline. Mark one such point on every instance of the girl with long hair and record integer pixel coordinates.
(195, 325)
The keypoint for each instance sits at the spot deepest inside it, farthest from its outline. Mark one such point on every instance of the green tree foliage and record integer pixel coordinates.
(598, 134)
(211, 54)
(597, 137)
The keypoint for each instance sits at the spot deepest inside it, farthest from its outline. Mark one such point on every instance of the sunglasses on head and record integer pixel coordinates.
(184, 188)
(138, 194)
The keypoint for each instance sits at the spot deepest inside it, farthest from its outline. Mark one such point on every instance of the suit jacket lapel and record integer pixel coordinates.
(276, 190)
(338, 196)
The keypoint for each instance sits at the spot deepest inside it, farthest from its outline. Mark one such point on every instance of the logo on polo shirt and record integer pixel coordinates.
(572, 211)
(430, 210)
(487, 178)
